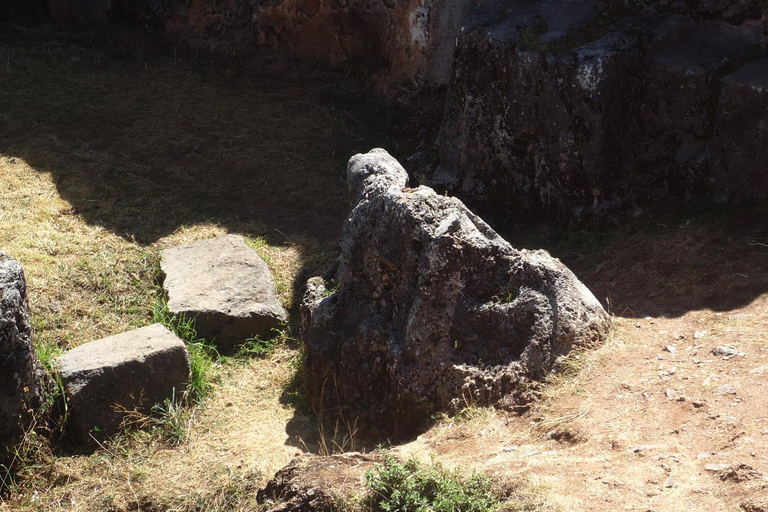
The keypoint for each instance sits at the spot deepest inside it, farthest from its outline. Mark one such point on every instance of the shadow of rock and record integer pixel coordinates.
(143, 144)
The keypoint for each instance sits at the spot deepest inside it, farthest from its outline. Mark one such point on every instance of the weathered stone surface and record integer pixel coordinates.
(401, 40)
(129, 371)
(584, 111)
(225, 286)
(80, 12)
(22, 379)
(433, 309)
(313, 483)
(741, 132)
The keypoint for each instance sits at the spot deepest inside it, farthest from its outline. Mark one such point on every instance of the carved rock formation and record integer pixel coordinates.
(434, 310)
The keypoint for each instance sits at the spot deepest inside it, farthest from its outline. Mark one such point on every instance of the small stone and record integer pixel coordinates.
(671, 393)
(669, 482)
(726, 352)
(706, 455)
(644, 448)
(699, 334)
(739, 472)
(716, 467)
(672, 349)
(724, 390)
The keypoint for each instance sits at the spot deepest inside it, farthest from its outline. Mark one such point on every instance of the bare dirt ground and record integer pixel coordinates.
(108, 154)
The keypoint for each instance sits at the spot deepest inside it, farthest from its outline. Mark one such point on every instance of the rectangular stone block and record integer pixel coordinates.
(129, 371)
(225, 286)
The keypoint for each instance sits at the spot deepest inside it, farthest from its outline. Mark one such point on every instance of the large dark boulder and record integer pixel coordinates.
(22, 378)
(741, 132)
(582, 110)
(434, 310)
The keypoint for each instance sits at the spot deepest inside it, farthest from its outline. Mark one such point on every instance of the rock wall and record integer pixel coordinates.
(433, 310)
(576, 110)
(22, 378)
(398, 39)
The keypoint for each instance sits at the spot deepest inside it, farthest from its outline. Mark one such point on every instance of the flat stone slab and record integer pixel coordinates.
(129, 371)
(225, 286)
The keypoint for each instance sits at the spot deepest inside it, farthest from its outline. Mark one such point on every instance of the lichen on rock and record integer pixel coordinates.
(434, 310)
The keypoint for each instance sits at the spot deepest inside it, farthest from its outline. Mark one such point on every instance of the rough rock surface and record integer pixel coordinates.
(225, 286)
(80, 12)
(313, 483)
(130, 371)
(22, 379)
(433, 309)
(741, 128)
(575, 110)
(404, 40)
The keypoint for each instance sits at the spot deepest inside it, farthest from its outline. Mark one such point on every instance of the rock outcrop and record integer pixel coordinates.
(314, 483)
(577, 110)
(22, 378)
(434, 310)
(225, 286)
(131, 371)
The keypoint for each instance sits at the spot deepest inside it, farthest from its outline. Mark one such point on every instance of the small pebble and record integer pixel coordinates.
(726, 351)
(725, 389)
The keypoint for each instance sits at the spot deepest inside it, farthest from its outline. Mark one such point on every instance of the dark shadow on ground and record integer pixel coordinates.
(144, 142)
(668, 262)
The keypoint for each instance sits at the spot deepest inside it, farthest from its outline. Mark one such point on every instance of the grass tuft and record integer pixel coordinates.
(202, 355)
(171, 420)
(416, 487)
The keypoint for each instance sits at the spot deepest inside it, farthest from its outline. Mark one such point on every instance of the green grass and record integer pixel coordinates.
(202, 355)
(171, 420)
(262, 346)
(416, 487)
